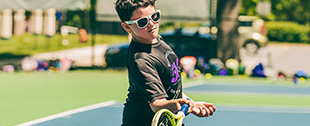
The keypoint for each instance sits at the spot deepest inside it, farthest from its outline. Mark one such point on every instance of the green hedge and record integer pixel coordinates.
(287, 31)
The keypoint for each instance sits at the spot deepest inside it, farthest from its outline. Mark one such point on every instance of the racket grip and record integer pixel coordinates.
(184, 108)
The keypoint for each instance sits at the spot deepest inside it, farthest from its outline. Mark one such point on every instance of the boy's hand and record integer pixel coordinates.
(185, 101)
(203, 109)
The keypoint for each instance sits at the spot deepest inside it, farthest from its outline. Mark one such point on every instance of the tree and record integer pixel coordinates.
(288, 10)
(248, 7)
(227, 23)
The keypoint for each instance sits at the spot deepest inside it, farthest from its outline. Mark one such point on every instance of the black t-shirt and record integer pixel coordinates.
(154, 73)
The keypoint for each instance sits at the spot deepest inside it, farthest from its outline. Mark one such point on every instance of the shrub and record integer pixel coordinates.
(286, 31)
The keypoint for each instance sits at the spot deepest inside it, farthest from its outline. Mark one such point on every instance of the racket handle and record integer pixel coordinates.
(184, 108)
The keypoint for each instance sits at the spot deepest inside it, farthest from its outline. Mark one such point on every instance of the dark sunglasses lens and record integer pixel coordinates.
(142, 22)
(156, 17)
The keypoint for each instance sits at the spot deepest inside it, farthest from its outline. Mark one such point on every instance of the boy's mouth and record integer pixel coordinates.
(152, 30)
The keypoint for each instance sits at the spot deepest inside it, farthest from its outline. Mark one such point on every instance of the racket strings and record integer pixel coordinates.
(166, 120)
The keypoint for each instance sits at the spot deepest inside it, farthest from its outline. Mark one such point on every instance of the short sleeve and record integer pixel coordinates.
(147, 80)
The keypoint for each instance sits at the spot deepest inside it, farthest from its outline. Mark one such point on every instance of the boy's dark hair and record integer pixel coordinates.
(125, 8)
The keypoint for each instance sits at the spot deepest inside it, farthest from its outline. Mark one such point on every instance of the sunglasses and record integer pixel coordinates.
(144, 21)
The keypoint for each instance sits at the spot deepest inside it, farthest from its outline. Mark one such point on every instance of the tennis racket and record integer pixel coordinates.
(164, 117)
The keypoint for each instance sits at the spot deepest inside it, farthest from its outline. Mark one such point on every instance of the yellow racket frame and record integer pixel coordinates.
(175, 119)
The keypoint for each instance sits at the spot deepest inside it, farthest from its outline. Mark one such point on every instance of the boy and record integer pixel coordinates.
(153, 68)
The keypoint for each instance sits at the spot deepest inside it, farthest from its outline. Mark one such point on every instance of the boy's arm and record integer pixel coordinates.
(172, 105)
(201, 109)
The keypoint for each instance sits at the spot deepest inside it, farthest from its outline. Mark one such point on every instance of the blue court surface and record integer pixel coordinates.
(251, 89)
(110, 113)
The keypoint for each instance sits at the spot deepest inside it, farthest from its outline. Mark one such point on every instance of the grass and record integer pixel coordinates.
(28, 96)
(290, 43)
(29, 44)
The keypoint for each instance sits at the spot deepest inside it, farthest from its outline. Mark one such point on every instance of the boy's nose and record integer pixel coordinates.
(151, 23)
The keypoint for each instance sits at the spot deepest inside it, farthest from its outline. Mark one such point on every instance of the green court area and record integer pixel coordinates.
(29, 96)
(254, 100)
(270, 99)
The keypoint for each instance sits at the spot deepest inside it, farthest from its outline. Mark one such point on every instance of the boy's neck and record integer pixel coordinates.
(153, 41)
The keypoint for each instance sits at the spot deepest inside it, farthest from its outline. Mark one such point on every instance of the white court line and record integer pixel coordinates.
(192, 84)
(67, 113)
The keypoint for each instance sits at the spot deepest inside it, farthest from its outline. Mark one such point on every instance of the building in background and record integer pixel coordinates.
(6, 23)
(42, 18)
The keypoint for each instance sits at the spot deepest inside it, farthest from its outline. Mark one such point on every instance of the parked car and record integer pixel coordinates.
(191, 42)
(184, 42)
(116, 55)
(252, 33)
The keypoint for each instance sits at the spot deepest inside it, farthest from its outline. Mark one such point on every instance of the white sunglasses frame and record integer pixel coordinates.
(147, 17)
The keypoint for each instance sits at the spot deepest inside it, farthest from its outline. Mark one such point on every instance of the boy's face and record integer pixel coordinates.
(146, 34)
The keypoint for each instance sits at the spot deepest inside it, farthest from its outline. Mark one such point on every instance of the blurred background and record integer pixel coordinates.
(80, 31)
(56, 55)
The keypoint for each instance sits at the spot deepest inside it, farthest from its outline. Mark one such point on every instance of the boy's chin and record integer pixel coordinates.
(151, 36)
(154, 34)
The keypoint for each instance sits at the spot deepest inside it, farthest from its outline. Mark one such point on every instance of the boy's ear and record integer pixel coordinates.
(126, 27)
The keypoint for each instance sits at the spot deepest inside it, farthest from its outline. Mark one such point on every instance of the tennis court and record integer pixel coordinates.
(276, 113)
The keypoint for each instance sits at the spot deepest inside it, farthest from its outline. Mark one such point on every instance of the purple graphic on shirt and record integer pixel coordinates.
(175, 71)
